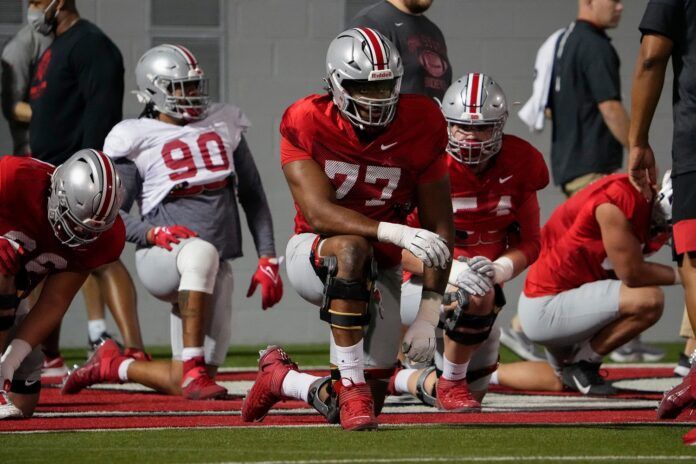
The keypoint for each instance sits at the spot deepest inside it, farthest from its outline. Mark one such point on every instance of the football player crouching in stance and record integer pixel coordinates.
(357, 161)
(56, 225)
(495, 178)
(185, 161)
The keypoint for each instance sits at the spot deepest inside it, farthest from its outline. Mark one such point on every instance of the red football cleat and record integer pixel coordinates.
(274, 365)
(356, 406)
(454, 396)
(53, 370)
(198, 385)
(102, 367)
(137, 354)
(391, 386)
(678, 398)
(689, 438)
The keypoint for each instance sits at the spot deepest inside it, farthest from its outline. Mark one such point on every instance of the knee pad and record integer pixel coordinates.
(8, 310)
(197, 263)
(326, 269)
(329, 407)
(459, 318)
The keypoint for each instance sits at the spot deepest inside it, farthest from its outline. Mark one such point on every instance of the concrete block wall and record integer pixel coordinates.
(274, 54)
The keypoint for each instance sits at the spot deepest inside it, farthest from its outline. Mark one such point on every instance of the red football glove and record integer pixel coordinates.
(267, 274)
(165, 236)
(9, 256)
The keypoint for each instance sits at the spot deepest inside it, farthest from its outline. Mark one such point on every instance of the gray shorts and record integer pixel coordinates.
(485, 355)
(383, 335)
(560, 322)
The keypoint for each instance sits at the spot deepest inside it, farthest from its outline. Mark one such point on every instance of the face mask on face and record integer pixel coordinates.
(34, 15)
(39, 22)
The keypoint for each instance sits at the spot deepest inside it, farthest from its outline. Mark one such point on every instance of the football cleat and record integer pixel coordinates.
(356, 406)
(678, 398)
(454, 396)
(198, 385)
(7, 409)
(137, 354)
(274, 365)
(518, 343)
(584, 377)
(102, 367)
(53, 368)
(637, 351)
(689, 438)
(683, 366)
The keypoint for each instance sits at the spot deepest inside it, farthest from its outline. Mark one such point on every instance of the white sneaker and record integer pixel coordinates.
(519, 344)
(7, 409)
(637, 351)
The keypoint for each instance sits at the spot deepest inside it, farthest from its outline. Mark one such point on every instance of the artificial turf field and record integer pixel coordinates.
(316, 443)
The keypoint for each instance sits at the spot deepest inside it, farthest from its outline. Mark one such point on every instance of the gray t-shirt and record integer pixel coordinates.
(19, 57)
(420, 42)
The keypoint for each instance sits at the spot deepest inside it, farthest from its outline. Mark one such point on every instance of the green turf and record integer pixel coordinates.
(317, 355)
(447, 444)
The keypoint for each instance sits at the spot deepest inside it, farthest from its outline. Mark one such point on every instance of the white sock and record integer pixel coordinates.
(494, 379)
(401, 380)
(451, 371)
(191, 352)
(586, 353)
(95, 328)
(350, 362)
(123, 369)
(296, 385)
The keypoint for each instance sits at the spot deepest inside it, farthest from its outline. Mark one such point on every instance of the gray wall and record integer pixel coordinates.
(272, 53)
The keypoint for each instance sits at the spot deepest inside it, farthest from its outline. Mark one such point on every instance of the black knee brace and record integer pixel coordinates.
(25, 387)
(428, 398)
(329, 407)
(8, 310)
(459, 318)
(343, 289)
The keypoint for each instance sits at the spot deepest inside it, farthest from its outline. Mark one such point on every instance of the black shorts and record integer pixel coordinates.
(684, 212)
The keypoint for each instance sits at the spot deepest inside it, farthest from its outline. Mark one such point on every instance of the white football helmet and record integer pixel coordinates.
(85, 197)
(662, 208)
(166, 69)
(475, 99)
(363, 55)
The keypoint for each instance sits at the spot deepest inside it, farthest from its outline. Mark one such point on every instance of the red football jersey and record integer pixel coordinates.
(572, 252)
(487, 207)
(24, 188)
(378, 178)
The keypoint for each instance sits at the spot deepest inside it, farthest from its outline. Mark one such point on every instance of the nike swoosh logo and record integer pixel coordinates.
(269, 272)
(387, 147)
(29, 383)
(502, 180)
(581, 389)
(398, 24)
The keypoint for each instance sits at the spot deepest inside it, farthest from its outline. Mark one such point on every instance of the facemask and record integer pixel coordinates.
(34, 16)
(42, 26)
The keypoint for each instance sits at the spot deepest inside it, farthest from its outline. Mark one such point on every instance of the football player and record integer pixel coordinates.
(357, 161)
(495, 179)
(185, 162)
(591, 290)
(56, 225)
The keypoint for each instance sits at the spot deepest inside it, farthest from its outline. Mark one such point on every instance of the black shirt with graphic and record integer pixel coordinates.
(76, 93)
(420, 42)
(586, 74)
(676, 19)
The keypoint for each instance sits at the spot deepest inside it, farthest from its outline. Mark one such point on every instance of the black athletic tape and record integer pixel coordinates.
(343, 289)
(345, 320)
(25, 387)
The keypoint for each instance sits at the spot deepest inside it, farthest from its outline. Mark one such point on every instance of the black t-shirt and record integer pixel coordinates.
(76, 93)
(420, 42)
(586, 74)
(676, 19)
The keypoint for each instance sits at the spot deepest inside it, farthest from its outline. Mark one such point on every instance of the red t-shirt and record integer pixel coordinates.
(379, 178)
(24, 189)
(572, 251)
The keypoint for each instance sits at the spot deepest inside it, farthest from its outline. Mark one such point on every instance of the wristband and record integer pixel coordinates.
(457, 268)
(504, 269)
(429, 309)
(15, 354)
(388, 232)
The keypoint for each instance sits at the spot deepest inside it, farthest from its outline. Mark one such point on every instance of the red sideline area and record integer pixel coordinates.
(112, 409)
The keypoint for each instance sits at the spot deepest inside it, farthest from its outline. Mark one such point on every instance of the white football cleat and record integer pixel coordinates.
(7, 409)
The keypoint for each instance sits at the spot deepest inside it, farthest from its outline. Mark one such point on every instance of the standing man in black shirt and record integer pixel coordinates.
(420, 42)
(589, 122)
(669, 31)
(76, 98)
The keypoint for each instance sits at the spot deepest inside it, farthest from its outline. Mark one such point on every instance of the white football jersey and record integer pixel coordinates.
(168, 155)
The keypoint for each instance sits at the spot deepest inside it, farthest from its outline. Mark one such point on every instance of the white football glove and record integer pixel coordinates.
(425, 245)
(476, 282)
(419, 341)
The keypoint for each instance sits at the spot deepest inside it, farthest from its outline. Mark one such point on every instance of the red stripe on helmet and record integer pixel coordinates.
(377, 46)
(108, 189)
(474, 81)
(188, 55)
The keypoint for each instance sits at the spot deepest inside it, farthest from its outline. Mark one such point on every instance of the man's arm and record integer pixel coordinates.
(648, 79)
(616, 119)
(626, 253)
(136, 228)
